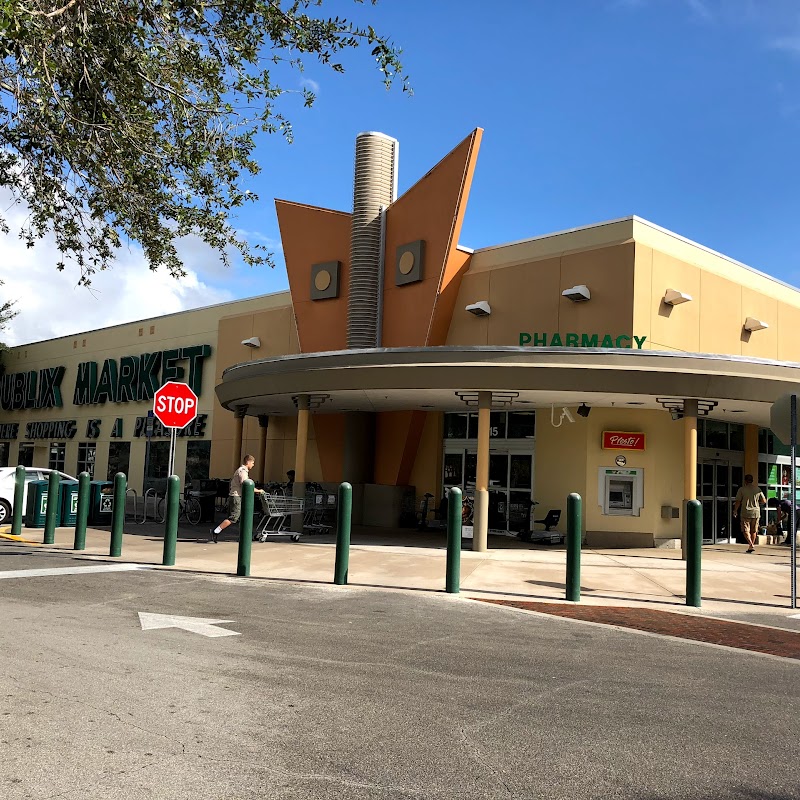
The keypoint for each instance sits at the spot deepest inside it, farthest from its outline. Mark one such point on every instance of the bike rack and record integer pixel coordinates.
(135, 502)
(154, 494)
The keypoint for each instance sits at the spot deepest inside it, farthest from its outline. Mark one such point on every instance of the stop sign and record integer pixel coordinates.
(175, 405)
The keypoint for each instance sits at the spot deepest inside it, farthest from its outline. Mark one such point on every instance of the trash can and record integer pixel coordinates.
(68, 492)
(206, 492)
(101, 502)
(36, 508)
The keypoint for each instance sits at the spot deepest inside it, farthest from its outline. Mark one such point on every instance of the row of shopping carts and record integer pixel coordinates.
(286, 515)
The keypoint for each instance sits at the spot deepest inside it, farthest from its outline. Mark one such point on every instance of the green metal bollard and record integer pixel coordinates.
(84, 479)
(694, 548)
(453, 579)
(118, 517)
(246, 529)
(52, 509)
(344, 514)
(19, 500)
(171, 520)
(574, 536)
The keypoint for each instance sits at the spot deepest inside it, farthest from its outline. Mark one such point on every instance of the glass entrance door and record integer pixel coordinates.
(718, 480)
(510, 484)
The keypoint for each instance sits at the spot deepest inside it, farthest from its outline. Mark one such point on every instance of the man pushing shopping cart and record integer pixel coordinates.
(235, 497)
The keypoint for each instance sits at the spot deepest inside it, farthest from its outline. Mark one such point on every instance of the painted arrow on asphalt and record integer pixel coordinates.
(205, 627)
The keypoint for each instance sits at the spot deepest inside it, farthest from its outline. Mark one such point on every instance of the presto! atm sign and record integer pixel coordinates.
(621, 440)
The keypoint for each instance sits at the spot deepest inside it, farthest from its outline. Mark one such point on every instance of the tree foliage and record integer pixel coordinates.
(7, 313)
(137, 119)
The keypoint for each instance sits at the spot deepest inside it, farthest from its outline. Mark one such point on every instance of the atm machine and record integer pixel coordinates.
(620, 492)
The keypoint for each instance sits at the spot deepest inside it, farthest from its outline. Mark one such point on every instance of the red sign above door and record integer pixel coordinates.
(620, 440)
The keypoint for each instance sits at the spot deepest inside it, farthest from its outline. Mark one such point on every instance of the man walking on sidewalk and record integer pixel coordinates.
(749, 499)
(235, 497)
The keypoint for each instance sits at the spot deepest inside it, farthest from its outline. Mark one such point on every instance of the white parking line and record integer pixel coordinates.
(44, 573)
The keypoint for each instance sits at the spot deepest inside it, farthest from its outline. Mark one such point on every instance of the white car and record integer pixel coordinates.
(7, 487)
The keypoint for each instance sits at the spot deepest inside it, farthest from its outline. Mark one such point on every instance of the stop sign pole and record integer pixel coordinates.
(175, 406)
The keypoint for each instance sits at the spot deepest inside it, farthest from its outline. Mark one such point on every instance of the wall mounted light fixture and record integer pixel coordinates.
(480, 309)
(674, 298)
(753, 324)
(253, 342)
(578, 294)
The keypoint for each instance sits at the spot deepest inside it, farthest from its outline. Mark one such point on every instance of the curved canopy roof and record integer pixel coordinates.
(438, 378)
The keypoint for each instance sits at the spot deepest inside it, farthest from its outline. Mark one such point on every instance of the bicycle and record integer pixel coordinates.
(188, 507)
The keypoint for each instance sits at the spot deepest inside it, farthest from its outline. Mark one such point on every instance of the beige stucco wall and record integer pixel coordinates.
(525, 296)
(568, 459)
(161, 333)
(724, 293)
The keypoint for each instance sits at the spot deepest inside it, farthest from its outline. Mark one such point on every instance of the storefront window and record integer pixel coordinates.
(455, 426)
(736, 437)
(502, 425)
(198, 461)
(521, 424)
(498, 469)
(86, 457)
(716, 434)
(157, 464)
(521, 471)
(497, 425)
(3, 454)
(58, 453)
(771, 445)
(25, 456)
(119, 459)
(453, 469)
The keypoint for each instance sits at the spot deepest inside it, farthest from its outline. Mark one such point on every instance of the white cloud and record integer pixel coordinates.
(312, 86)
(700, 10)
(50, 303)
(787, 44)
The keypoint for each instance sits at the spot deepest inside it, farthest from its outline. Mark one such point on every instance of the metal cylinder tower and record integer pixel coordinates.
(374, 188)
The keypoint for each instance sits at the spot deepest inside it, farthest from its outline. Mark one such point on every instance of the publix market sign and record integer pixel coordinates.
(606, 340)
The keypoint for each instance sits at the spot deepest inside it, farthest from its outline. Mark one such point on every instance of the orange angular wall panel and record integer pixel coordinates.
(431, 210)
(310, 236)
(457, 265)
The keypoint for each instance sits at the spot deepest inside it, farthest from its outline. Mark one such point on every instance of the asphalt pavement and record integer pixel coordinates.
(354, 692)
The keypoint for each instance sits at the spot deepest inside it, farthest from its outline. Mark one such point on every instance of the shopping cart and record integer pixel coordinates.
(320, 512)
(277, 511)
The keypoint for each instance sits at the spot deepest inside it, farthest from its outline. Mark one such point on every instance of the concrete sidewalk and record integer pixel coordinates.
(733, 581)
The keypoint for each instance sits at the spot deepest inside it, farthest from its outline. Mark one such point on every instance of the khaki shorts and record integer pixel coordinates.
(234, 507)
(750, 525)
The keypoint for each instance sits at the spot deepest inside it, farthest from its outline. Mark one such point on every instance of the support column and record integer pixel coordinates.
(263, 424)
(480, 530)
(751, 452)
(303, 414)
(237, 436)
(689, 464)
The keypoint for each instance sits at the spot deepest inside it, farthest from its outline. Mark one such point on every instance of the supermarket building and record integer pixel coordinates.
(617, 360)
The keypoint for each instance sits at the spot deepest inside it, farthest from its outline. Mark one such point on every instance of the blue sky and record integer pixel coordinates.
(684, 112)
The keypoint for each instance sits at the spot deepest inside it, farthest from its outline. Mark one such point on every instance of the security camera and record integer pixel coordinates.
(584, 410)
(253, 341)
(578, 294)
(565, 412)
(675, 414)
(479, 309)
